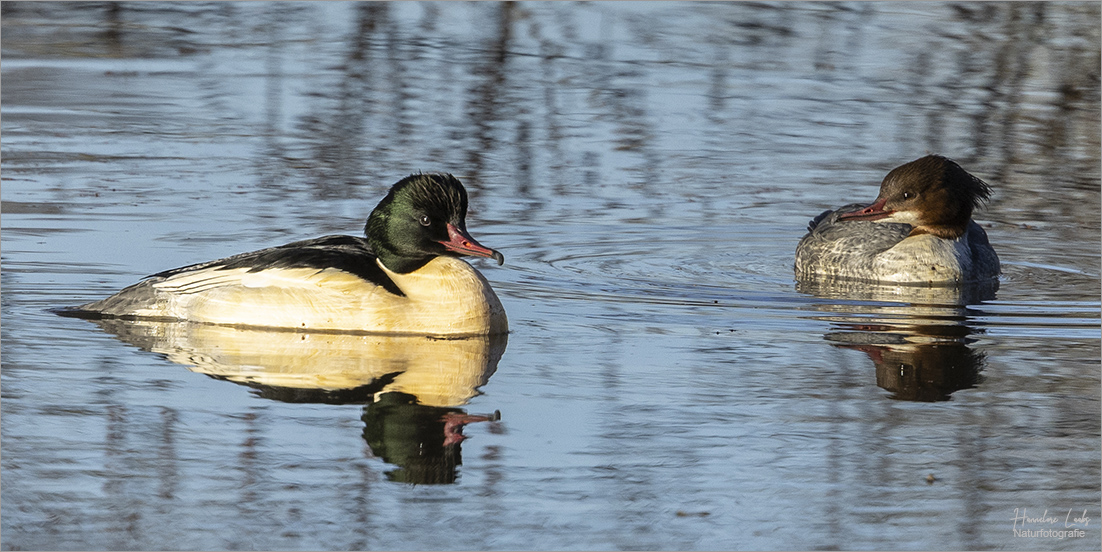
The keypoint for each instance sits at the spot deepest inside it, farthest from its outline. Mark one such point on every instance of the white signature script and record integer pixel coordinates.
(1022, 517)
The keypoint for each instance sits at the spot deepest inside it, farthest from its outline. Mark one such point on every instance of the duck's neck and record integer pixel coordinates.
(402, 265)
(944, 232)
(394, 262)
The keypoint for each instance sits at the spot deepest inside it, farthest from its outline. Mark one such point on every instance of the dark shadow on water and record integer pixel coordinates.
(412, 387)
(918, 338)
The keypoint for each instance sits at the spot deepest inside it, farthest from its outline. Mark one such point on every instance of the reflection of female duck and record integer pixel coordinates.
(916, 336)
(918, 231)
(918, 298)
(405, 277)
(915, 367)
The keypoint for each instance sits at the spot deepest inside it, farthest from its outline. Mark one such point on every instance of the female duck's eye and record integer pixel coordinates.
(908, 195)
(424, 220)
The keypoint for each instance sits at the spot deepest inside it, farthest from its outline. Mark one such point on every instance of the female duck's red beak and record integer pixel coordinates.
(872, 212)
(459, 241)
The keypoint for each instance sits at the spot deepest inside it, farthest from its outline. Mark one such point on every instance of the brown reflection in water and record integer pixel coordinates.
(250, 464)
(916, 363)
(487, 96)
(167, 455)
(270, 164)
(116, 460)
(917, 337)
(1017, 139)
(112, 34)
(1021, 132)
(338, 152)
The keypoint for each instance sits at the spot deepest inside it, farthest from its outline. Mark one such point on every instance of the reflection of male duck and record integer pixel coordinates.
(920, 347)
(412, 385)
(407, 434)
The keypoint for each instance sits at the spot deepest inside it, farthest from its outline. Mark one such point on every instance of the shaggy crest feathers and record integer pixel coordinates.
(947, 170)
(436, 192)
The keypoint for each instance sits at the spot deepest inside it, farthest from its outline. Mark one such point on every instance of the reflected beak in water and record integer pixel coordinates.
(459, 241)
(875, 211)
(455, 421)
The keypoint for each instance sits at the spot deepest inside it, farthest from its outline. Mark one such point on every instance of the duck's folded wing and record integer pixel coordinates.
(303, 261)
(844, 248)
(332, 262)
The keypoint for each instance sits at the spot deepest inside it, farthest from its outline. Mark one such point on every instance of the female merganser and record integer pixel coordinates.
(918, 231)
(406, 277)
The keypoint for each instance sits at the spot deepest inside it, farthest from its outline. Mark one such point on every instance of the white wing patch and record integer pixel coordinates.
(200, 280)
(207, 279)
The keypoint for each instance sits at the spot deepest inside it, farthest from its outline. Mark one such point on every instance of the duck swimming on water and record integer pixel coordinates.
(405, 277)
(919, 230)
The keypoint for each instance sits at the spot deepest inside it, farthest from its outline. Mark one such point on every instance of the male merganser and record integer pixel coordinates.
(918, 231)
(405, 277)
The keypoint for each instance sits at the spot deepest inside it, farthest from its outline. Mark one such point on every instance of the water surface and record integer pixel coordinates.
(647, 169)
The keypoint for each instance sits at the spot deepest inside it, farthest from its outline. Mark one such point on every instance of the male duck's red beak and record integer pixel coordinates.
(459, 241)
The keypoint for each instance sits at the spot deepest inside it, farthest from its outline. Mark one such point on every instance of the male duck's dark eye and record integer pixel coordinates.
(425, 220)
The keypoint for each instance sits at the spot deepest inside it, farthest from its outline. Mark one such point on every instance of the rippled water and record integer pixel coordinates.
(647, 169)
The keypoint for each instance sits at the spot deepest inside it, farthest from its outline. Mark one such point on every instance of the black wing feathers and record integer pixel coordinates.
(348, 253)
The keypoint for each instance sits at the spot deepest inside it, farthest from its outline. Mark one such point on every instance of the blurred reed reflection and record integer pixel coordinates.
(412, 386)
(917, 337)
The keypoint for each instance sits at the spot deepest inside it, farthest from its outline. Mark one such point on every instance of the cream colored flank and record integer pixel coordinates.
(446, 297)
